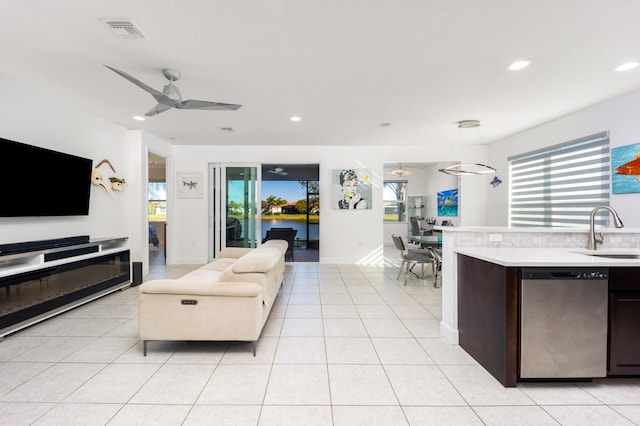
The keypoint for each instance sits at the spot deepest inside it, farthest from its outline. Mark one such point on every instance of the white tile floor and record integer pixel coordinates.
(344, 345)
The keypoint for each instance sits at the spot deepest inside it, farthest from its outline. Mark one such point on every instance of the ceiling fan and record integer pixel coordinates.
(170, 97)
(278, 171)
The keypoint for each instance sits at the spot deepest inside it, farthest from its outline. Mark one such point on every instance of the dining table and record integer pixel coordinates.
(426, 241)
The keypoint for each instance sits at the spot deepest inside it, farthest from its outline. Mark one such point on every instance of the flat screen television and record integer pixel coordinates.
(41, 182)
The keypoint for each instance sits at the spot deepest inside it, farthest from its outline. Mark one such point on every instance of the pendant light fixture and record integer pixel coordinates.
(400, 171)
(468, 169)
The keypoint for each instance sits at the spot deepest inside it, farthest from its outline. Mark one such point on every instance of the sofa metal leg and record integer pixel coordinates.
(144, 347)
(254, 348)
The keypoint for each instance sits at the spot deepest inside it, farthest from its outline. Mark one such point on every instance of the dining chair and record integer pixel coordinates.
(416, 230)
(437, 265)
(411, 258)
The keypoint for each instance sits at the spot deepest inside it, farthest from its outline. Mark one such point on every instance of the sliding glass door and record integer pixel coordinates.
(240, 205)
(235, 206)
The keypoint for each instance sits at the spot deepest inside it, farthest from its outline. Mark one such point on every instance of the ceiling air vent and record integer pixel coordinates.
(125, 28)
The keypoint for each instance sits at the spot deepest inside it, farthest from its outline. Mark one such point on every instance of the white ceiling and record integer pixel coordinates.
(344, 66)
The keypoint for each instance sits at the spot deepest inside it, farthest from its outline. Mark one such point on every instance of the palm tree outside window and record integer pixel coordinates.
(394, 197)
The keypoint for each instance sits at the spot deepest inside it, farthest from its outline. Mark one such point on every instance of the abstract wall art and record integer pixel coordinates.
(448, 202)
(625, 169)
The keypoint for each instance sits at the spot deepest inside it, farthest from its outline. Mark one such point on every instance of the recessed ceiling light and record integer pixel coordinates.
(139, 118)
(295, 118)
(628, 66)
(518, 65)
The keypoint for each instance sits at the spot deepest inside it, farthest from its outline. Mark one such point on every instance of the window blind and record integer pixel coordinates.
(559, 186)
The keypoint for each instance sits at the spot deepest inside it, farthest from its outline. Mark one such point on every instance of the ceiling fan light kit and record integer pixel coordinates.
(170, 97)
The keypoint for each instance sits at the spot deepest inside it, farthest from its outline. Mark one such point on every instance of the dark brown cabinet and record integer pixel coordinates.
(489, 316)
(624, 322)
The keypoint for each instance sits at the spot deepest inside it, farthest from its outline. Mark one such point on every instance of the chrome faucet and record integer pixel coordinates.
(593, 239)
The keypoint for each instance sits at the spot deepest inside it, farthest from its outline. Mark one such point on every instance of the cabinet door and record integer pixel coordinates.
(624, 336)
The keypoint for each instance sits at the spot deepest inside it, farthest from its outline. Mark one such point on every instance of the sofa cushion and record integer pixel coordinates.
(185, 287)
(201, 274)
(233, 252)
(219, 264)
(281, 245)
(260, 260)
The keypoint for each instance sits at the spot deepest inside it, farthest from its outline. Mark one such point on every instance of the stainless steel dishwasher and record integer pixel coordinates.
(563, 322)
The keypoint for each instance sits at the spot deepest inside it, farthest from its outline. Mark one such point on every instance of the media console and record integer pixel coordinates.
(40, 279)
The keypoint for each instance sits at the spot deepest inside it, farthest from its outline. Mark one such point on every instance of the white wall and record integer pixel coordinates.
(345, 236)
(619, 116)
(33, 117)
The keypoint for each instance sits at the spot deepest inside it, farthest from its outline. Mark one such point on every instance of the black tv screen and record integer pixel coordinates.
(42, 182)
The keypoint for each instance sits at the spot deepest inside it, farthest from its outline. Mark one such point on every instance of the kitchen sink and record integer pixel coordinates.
(611, 253)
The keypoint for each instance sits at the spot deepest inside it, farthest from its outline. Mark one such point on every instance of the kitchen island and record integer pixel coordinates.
(489, 304)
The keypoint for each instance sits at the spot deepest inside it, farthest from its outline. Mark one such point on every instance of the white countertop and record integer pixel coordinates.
(548, 257)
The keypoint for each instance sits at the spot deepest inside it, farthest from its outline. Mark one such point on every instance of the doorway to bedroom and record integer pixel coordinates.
(157, 208)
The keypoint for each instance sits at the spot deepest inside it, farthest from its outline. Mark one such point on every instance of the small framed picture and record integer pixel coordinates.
(190, 185)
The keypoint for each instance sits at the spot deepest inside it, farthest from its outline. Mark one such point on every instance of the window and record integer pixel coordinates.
(157, 207)
(394, 200)
(560, 185)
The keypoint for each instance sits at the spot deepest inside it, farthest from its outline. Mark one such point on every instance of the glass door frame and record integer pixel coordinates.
(217, 217)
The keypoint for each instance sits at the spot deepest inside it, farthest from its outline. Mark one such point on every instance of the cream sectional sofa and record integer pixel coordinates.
(228, 299)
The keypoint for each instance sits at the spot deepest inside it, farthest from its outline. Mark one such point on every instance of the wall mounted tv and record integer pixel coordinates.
(42, 182)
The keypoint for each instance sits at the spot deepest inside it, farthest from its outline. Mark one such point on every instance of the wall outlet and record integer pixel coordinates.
(495, 238)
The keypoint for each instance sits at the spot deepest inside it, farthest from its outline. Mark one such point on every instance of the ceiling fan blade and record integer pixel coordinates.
(157, 110)
(137, 82)
(165, 100)
(196, 104)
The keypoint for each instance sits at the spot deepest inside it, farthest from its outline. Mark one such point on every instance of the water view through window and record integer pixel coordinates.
(284, 205)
